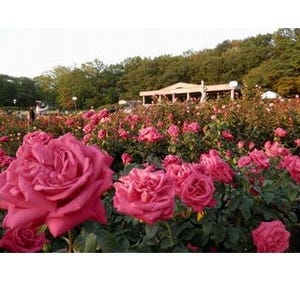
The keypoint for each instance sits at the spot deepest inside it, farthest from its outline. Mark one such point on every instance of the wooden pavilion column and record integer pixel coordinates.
(188, 96)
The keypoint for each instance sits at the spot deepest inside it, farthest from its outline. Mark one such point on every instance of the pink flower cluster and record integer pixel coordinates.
(149, 194)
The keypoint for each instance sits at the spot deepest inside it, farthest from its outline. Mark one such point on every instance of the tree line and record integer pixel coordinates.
(258, 63)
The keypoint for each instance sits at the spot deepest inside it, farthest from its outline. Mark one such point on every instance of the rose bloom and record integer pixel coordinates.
(279, 132)
(37, 136)
(178, 173)
(297, 142)
(251, 145)
(132, 119)
(192, 127)
(259, 158)
(4, 139)
(88, 114)
(96, 117)
(173, 131)
(123, 133)
(70, 122)
(88, 128)
(23, 239)
(59, 184)
(126, 158)
(227, 135)
(275, 149)
(86, 138)
(197, 191)
(101, 134)
(240, 144)
(149, 134)
(271, 237)
(292, 164)
(145, 194)
(217, 168)
(171, 159)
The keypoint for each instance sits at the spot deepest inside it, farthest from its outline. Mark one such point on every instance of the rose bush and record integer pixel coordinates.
(187, 178)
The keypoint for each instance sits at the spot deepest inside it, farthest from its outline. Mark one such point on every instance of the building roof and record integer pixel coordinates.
(181, 88)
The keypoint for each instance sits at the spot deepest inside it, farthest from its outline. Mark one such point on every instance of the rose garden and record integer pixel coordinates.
(183, 177)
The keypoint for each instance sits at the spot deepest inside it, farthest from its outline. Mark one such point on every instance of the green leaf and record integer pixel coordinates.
(233, 235)
(220, 234)
(108, 243)
(292, 195)
(151, 230)
(166, 243)
(245, 210)
(206, 228)
(91, 243)
(268, 197)
(79, 243)
(293, 217)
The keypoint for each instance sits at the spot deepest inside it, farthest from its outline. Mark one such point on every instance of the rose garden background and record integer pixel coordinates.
(215, 177)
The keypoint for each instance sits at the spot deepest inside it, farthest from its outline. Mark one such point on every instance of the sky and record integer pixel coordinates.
(36, 36)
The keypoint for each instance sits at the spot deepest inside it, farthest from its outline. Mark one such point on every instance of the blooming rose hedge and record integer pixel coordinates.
(167, 178)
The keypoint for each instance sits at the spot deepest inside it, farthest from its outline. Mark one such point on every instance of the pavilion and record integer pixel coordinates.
(186, 91)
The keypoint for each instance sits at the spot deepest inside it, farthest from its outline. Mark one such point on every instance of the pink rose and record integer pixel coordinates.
(217, 168)
(37, 137)
(240, 144)
(259, 159)
(88, 128)
(173, 131)
(86, 138)
(297, 142)
(149, 134)
(171, 159)
(271, 237)
(70, 122)
(192, 127)
(192, 247)
(123, 133)
(23, 239)
(227, 135)
(101, 134)
(132, 119)
(34, 137)
(145, 194)
(251, 145)
(279, 132)
(292, 164)
(4, 139)
(88, 114)
(178, 173)
(59, 184)
(197, 192)
(275, 149)
(126, 158)
(97, 117)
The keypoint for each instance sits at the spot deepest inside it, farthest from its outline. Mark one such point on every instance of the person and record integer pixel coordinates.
(31, 115)
(40, 110)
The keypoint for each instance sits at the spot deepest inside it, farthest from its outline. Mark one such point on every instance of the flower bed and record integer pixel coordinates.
(164, 178)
